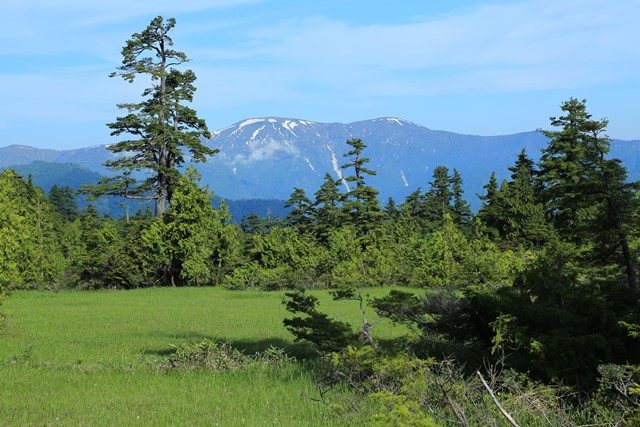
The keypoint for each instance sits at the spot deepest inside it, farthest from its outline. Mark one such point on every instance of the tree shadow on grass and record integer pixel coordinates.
(251, 347)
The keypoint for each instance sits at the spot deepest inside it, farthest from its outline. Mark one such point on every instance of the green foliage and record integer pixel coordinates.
(461, 212)
(437, 201)
(191, 240)
(559, 321)
(326, 334)
(326, 208)
(30, 250)
(425, 392)
(217, 356)
(222, 356)
(105, 253)
(283, 258)
(63, 199)
(361, 203)
(159, 128)
(619, 388)
(301, 210)
(513, 214)
(399, 410)
(2, 314)
(566, 320)
(586, 194)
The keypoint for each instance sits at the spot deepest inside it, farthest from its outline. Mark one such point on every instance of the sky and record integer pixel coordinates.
(474, 67)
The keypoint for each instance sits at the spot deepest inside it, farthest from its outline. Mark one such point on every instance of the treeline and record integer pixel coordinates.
(341, 238)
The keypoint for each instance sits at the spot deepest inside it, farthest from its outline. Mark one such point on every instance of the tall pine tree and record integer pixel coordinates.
(361, 204)
(438, 198)
(586, 194)
(161, 127)
(460, 209)
(301, 212)
(326, 208)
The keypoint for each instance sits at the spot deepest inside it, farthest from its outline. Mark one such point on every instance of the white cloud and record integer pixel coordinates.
(247, 66)
(46, 26)
(265, 149)
(526, 45)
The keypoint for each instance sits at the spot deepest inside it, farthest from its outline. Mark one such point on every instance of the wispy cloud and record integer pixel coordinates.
(305, 64)
(264, 150)
(526, 45)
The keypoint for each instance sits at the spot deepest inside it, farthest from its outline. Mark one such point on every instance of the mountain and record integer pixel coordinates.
(265, 158)
(91, 158)
(47, 174)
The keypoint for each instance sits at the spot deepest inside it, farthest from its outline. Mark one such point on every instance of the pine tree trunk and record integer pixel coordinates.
(160, 202)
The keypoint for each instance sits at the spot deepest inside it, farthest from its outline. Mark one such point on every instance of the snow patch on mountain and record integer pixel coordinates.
(404, 178)
(256, 132)
(289, 124)
(309, 163)
(337, 170)
(249, 122)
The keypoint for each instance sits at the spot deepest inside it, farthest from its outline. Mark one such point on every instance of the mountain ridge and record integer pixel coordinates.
(266, 157)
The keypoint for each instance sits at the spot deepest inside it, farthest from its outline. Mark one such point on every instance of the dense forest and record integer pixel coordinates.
(533, 301)
(541, 280)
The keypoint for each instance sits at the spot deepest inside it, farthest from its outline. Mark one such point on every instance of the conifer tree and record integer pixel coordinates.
(521, 218)
(161, 127)
(180, 245)
(64, 201)
(12, 227)
(438, 198)
(391, 210)
(413, 206)
(586, 194)
(488, 212)
(252, 224)
(30, 253)
(326, 208)
(301, 209)
(523, 161)
(361, 204)
(460, 209)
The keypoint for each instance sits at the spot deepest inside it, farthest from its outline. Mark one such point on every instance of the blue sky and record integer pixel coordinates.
(479, 67)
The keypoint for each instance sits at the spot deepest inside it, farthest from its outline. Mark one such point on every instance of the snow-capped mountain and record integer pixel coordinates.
(268, 157)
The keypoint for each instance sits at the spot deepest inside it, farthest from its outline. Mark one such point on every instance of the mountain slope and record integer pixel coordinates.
(265, 158)
(47, 174)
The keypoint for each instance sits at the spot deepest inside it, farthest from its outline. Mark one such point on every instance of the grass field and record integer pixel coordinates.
(91, 358)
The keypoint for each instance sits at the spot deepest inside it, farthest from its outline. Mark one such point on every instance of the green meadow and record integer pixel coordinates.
(92, 358)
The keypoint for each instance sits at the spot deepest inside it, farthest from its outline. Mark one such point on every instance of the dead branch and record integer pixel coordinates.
(495, 400)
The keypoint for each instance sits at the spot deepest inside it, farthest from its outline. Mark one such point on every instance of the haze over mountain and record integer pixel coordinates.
(265, 158)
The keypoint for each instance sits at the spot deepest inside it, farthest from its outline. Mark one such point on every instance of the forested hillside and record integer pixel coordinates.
(47, 175)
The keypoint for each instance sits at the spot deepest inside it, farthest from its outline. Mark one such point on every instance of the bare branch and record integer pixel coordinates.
(495, 400)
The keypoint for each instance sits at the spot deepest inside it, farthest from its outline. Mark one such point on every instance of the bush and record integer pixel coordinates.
(220, 356)
(315, 327)
(217, 356)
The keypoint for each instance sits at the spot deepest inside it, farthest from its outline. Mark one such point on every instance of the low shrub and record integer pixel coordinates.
(220, 356)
